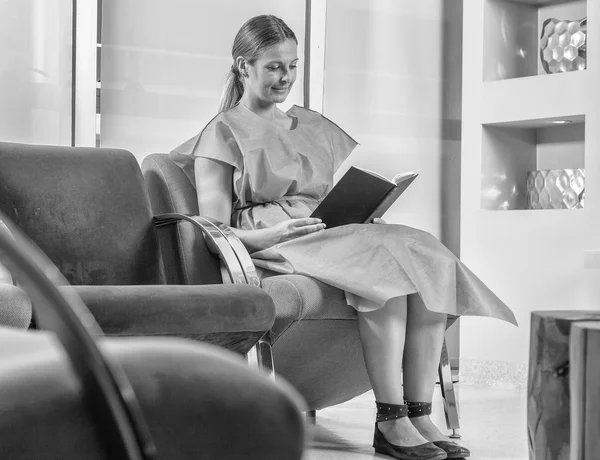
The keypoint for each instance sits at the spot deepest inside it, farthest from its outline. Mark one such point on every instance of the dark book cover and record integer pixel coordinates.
(360, 196)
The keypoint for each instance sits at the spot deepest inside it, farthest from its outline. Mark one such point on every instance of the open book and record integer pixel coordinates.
(361, 196)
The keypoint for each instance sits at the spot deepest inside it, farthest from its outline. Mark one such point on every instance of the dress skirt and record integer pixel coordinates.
(374, 263)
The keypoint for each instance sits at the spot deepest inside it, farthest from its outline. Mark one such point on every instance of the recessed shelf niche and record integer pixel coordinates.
(511, 34)
(511, 149)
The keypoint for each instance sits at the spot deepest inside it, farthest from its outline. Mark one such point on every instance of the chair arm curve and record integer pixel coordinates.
(216, 242)
(240, 251)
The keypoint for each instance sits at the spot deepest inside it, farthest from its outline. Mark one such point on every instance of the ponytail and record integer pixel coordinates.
(233, 90)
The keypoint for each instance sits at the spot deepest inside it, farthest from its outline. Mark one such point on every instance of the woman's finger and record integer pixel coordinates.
(305, 230)
(305, 221)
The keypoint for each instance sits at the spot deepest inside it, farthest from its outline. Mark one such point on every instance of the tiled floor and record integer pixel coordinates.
(493, 426)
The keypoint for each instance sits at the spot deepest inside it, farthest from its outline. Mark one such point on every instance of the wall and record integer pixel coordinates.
(532, 259)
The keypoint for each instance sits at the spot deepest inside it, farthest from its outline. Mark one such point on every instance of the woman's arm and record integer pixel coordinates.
(214, 186)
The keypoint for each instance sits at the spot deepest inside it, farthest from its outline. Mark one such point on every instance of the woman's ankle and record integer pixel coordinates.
(401, 432)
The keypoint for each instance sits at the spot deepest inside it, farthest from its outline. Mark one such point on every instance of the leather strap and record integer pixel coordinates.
(417, 408)
(387, 412)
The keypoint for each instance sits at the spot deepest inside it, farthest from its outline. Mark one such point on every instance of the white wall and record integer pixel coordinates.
(532, 259)
(164, 65)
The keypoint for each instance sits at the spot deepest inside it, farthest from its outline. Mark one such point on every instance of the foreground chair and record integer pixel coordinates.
(315, 340)
(74, 395)
(88, 210)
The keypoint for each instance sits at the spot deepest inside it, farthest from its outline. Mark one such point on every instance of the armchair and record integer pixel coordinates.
(88, 210)
(315, 340)
(75, 395)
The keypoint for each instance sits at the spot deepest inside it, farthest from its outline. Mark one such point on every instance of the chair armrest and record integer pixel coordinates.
(222, 241)
(185, 311)
(239, 249)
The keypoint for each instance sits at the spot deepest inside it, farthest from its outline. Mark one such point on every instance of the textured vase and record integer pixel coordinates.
(556, 189)
(563, 45)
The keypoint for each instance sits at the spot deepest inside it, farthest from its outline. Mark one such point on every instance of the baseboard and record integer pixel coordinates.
(498, 374)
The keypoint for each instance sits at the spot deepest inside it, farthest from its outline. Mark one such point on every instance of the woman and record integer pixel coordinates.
(264, 171)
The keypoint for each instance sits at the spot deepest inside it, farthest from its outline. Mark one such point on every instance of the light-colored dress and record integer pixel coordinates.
(283, 173)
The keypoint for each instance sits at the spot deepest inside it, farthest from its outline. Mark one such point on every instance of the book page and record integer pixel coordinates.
(373, 173)
(400, 177)
(397, 178)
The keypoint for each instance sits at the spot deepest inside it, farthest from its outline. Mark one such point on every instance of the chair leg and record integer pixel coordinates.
(448, 394)
(261, 356)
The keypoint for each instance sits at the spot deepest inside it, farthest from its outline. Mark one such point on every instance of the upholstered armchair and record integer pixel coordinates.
(88, 210)
(315, 340)
(69, 393)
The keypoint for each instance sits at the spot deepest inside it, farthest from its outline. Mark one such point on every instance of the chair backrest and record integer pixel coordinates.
(86, 208)
(186, 256)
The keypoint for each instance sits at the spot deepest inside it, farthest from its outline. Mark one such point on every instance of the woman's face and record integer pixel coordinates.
(271, 77)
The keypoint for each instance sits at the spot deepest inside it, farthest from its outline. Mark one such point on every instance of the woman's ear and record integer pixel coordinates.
(242, 66)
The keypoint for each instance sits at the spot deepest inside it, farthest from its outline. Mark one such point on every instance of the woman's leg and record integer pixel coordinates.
(423, 345)
(382, 336)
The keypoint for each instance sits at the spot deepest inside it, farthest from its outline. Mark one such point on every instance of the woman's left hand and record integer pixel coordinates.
(378, 220)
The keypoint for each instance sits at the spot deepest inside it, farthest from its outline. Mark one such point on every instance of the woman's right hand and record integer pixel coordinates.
(257, 240)
(294, 228)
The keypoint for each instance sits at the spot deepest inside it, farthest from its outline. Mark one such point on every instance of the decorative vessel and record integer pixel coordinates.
(563, 45)
(556, 189)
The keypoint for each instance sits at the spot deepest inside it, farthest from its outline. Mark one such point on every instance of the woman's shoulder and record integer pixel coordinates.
(222, 123)
(305, 115)
(227, 119)
(312, 119)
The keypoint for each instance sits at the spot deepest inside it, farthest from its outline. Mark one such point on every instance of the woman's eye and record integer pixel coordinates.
(293, 66)
(273, 68)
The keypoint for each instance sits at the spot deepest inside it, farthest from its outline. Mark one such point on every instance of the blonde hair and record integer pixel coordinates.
(254, 37)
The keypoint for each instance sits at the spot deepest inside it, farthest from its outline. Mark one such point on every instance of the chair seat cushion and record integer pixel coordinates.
(299, 298)
(200, 401)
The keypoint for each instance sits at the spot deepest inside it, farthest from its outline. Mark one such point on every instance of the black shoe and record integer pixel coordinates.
(417, 409)
(452, 449)
(427, 451)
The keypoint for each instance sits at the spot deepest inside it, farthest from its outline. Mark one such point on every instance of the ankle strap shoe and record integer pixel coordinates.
(453, 450)
(426, 451)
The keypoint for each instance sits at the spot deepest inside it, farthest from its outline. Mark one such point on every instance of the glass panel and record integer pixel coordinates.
(164, 65)
(35, 71)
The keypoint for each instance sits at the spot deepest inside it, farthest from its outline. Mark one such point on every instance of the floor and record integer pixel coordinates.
(493, 426)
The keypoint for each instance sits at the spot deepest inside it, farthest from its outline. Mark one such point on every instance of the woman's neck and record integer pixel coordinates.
(260, 108)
